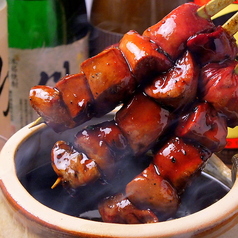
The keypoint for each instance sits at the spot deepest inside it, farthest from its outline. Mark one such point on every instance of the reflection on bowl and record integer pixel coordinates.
(29, 150)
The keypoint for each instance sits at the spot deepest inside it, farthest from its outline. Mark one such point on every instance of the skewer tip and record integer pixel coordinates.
(56, 183)
(37, 122)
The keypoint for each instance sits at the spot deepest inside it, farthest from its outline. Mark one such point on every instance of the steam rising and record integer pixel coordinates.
(203, 191)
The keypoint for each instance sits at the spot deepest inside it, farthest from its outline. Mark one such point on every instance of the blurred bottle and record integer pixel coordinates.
(5, 129)
(111, 19)
(48, 39)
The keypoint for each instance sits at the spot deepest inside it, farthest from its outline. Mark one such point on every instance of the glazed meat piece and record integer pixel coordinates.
(173, 31)
(47, 101)
(73, 168)
(178, 86)
(109, 79)
(214, 46)
(179, 161)
(142, 121)
(78, 100)
(219, 86)
(204, 125)
(118, 209)
(143, 56)
(150, 190)
(105, 144)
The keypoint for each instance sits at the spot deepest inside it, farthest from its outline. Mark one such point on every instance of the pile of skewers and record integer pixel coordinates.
(178, 87)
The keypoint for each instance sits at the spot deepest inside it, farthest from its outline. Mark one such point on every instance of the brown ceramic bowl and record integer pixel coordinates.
(22, 215)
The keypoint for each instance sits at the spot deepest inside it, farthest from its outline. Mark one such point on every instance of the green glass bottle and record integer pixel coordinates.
(48, 39)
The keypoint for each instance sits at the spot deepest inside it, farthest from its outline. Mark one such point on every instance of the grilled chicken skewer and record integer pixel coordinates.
(158, 186)
(131, 133)
(201, 125)
(100, 150)
(174, 164)
(144, 58)
(111, 76)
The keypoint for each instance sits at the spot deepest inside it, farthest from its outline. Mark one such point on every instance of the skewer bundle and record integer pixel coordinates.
(179, 94)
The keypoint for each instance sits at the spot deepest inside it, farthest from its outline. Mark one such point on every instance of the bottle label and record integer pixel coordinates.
(40, 66)
(5, 126)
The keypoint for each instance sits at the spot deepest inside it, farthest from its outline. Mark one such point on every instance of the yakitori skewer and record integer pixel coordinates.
(169, 47)
(176, 161)
(111, 143)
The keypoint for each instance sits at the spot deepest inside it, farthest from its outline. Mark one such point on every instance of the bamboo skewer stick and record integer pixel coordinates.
(231, 26)
(56, 183)
(37, 122)
(213, 7)
(236, 69)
